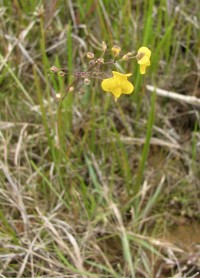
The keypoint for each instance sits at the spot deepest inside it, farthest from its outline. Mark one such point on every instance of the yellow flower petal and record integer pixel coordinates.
(120, 76)
(143, 69)
(122, 82)
(117, 92)
(127, 87)
(108, 84)
(143, 60)
(145, 50)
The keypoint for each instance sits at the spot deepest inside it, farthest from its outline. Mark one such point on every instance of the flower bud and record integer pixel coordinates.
(71, 89)
(61, 73)
(58, 95)
(116, 50)
(54, 69)
(129, 54)
(100, 60)
(125, 57)
(90, 55)
(86, 81)
(104, 46)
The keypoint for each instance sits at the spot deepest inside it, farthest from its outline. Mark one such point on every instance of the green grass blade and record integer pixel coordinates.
(145, 151)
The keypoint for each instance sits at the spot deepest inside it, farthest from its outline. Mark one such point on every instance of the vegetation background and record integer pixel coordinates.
(98, 188)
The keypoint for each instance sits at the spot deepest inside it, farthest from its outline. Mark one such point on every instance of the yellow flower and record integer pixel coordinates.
(118, 84)
(143, 58)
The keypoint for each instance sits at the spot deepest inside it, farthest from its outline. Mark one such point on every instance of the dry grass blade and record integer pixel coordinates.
(125, 242)
(19, 144)
(163, 93)
(154, 141)
(71, 8)
(76, 256)
(29, 253)
(22, 36)
(16, 196)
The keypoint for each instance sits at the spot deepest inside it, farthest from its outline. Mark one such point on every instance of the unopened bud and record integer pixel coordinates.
(100, 60)
(39, 11)
(125, 57)
(86, 81)
(71, 89)
(129, 54)
(61, 73)
(54, 69)
(116, 50)
(104, 46)
(90, 55)
(58, 95)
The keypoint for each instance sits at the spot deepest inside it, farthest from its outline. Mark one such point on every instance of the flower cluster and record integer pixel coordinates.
(118, 84)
